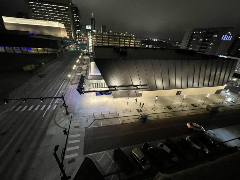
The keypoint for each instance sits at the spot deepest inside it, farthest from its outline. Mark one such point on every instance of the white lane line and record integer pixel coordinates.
(36, 108)
(54, 106)
(43, 107)
(48, 107)
(24, 109)
(71, 156)
(49, 89)
(41, 89)
(12, 108)
(72, 148)
(73, 141)
(18, 108)
(74, 135)
(30, 108)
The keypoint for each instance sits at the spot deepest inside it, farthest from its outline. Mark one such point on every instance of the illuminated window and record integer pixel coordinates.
(227, 37)
(215, 35)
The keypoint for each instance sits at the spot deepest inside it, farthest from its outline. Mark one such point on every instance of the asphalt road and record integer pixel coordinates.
(109, 137)
(23, 128)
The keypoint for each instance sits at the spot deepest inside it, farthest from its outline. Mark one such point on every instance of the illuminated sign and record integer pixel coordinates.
(88, 27)
(227, 37)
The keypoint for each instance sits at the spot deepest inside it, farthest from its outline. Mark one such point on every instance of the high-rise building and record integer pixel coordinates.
(211, 41)
(76, 21)
(93, 22)
(234, 49)
(54, 10)
(103, 29)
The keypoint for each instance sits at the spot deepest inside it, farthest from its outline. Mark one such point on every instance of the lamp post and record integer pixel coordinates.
(155, 102)
(182, 100)
(205, 99)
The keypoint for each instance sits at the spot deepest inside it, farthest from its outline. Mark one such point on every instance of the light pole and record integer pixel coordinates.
(205, 99)
(182, 100)
(155, 102)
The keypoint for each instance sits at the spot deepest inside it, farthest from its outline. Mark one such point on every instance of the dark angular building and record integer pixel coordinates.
(162, 69)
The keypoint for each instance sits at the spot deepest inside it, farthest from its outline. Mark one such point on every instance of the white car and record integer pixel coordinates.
(197, 144)
(170, 153)
(195, 126)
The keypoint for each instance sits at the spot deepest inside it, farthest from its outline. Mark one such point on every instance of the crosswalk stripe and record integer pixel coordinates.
(74, 135)
(36, 108)
(43, 107)
(12, 108)
(72, 148)
(73, 141)
(48, 107)
(54, 106)
(24, 108)
(30, 108)
(71, 155)
(18, 108)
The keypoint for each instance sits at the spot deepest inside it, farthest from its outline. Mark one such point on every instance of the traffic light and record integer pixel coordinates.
(5, 101)
(24, 100)
(65, 131)
(41, 98)
(64, 105)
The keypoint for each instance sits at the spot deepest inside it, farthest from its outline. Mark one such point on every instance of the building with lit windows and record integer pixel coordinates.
(54, 10)
(76, 21)
(211, 41)
(115, 39)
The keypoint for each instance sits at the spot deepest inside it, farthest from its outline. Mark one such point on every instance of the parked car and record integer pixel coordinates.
(168, 151)
(195, 126)
(197, 144)
(188, 147)
(206, 140)
(141, 160)
(122, 160)
(175, 148)
(156, 155)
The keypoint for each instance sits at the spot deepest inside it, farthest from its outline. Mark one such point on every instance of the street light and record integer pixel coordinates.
(206, 98)
(182, 100)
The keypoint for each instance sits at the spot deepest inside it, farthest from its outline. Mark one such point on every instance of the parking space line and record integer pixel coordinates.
(36, 108)
(12, 108)
(43, 107)
(30, 108)
(71, 155)
(18, 108)
(73, 141)
(74, 135)
(101, 156)
(72, 148)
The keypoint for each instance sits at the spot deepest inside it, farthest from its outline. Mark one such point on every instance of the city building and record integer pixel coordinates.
(234, 49)
(54, 10)
(133, 72)
(92, 22)
(211, 41)
(103, 29)
(77, 22)
(156, 43)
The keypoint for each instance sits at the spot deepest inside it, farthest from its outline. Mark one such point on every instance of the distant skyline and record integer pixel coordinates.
(160, 18)
(150, 19)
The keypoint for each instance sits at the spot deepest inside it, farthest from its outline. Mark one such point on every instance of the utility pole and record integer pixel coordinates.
(65, 105)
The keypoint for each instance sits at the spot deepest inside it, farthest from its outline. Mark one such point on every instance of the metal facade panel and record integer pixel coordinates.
(228, 71)
(121, 64)
(202, 72)
(141, 70)
(184, 73)
(164, 68)
(213, 72)
(218, 72)
(178, 64)
(115, 72)
(150, 74)
(116, 94)
(222, 72)
(197, 67)
(102, 66)
(172, 73)
(190, 73)
(231, 68)
(207, 73)
(158, 73)
(134, 78)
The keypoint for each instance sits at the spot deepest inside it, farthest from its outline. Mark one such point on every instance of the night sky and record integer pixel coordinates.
(151, 18)
(160, 18)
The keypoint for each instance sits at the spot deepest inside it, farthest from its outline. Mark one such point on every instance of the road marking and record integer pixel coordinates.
(18, 108)
(73, 141)
(36, 108)
(101, 157)
(12, 108)
(48, 107)
(30, 108)
(24, 109)
(49, 89)
(43, 107)
(71, 155)
(54, 106)
(72, 148)
(46, 110)
(74, 135)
